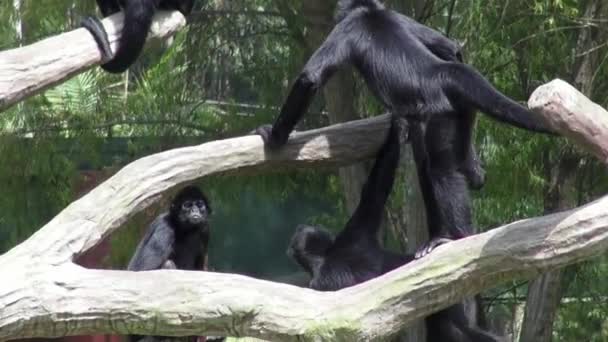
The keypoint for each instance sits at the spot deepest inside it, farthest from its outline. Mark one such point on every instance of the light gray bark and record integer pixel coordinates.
(45, 297)
(49, 296)
(339, 94)
(25, 71)
(573, 115)
(544, 295)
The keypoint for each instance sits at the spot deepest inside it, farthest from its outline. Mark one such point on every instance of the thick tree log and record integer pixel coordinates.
(57, 300)
(29, 70)
(573, 115)
(49, 296)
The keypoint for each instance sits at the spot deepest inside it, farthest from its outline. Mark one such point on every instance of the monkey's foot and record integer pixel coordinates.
(429, 246)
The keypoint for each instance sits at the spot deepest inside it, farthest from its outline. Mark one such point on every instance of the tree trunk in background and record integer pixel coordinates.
(18, 23)
(545, 293)
(587, 56)
(519, 310)
(339, 92)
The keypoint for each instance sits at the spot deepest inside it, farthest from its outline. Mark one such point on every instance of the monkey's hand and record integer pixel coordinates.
(429, 246)
(271, 139)
(475, 174)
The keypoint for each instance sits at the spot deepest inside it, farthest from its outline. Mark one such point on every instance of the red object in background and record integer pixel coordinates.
(93, 258)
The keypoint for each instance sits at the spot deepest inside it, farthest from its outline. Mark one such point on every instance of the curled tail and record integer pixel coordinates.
(137, 22)
(344, 7)
(466, 83)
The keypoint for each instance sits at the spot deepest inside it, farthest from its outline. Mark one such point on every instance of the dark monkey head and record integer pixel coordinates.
(308, 246)
(190, 208)
(344, 7)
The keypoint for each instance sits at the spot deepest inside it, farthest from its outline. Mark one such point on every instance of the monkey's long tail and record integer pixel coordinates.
(138, 19)
(468, 84)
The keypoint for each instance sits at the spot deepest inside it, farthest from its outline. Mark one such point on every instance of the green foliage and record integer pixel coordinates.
(36, 182)
(229, 72)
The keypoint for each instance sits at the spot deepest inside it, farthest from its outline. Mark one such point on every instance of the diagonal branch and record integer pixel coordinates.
(28, 70)
(83, 224)
(49, 296)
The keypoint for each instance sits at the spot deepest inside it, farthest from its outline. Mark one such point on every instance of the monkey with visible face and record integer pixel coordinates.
(354, 255)
(176, 239)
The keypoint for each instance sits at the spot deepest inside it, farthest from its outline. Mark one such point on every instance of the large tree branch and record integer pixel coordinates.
(573, 115)
(31, 69)
(42, 300)
(47, 295)
(88, 220)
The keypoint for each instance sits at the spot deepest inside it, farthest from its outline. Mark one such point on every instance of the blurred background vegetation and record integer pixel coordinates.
(229, 71)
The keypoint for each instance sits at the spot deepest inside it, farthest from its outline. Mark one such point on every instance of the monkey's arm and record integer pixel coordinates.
(375, 192)
(155, 249)
(320, 67)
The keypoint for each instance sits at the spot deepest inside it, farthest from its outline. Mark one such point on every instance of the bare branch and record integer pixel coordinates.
(43, 300)
(83, 223)
(573, 115)
(31, 69)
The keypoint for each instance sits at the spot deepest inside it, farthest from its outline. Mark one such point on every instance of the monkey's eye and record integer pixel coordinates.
(199, 203)
(187, 205)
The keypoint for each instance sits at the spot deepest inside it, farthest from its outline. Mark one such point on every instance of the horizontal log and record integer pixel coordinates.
(59, 300)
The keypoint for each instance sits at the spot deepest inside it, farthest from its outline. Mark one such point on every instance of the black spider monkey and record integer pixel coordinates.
(176, 239)
(417, 73)
(137, 22)
(355, 255)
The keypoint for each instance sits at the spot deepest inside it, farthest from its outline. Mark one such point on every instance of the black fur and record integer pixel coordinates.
(355, 255)
(415, 72)
(137, 22)
(176, 239)
(344, 7)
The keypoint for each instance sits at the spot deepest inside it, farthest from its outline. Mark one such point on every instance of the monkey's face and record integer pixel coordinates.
(193, 212)
(308, 245)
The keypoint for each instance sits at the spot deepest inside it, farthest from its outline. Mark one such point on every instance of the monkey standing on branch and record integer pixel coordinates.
(138, 15)
(416, 73)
